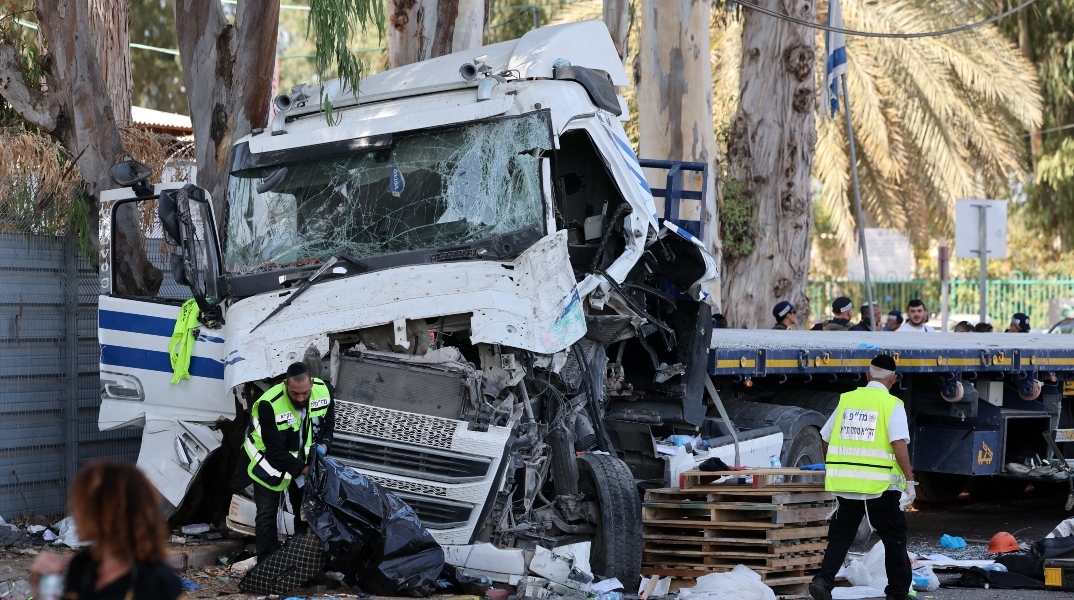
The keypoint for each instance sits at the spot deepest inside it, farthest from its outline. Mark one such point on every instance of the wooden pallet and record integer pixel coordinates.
(794, 479)
(708, 526)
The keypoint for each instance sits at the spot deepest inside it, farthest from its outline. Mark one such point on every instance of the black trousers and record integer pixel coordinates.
(889, 522)
(268, 504)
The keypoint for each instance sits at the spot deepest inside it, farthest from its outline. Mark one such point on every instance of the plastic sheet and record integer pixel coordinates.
(370, 533)
(742, 583)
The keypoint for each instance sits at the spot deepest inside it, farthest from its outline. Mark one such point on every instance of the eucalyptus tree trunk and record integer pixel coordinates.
(1036, 142)
(673, 78)
(771, 152)
(227, 69)
(75, 108)
(109, 23)
(422, 29)
(617, 18)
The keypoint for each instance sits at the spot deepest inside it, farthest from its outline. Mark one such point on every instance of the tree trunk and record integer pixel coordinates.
(227, 69)
(423, 29)
(77, 111)
(673, 79)
(617, 18)
(771, 153)
(1036, 142)
(110, 26)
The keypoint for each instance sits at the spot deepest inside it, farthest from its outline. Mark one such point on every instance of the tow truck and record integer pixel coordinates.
(509, 313)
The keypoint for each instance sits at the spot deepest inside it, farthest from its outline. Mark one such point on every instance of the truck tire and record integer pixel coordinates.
(616, 549)
(791, 420)
(995, 489)
(939, 488)
(806, 448)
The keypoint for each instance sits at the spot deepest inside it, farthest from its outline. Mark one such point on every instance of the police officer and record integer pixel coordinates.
(785, 314)
(285, 423)
(840, 321)
(868, 469)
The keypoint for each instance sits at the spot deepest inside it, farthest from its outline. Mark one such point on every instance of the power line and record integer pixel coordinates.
(1052, 130)
(875, 34)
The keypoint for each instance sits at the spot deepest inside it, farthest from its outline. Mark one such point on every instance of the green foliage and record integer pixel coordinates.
(158, 77)
(333, 24)
(738, 225)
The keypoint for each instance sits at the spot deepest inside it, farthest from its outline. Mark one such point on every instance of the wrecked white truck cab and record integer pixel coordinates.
(469, 252)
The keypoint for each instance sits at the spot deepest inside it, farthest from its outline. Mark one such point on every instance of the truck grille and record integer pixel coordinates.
(408, 459)
(437, 514)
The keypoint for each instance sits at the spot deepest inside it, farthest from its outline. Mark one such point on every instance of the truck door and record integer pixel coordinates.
(135, 325)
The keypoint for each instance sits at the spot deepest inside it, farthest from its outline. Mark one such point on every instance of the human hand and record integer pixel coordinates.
(908, 495)
(322, 449)
(305, 471)
(46, 563)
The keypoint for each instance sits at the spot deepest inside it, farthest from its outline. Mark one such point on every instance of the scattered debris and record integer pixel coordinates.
(952, 542)
(741, 583)
(196, 529)
(659, 589)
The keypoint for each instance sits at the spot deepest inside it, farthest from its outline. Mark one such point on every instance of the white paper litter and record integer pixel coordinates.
(244, 565)
(660, 590)
(1064, 529)
(856, 593)
(607, 585)
(36, 528)
(48, 536)
(669, 450)
(742, 583)
(867, 575)
(68, 534)
(939, 558)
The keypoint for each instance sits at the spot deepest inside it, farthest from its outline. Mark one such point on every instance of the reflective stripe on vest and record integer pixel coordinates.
(860, 458)
(287, 419)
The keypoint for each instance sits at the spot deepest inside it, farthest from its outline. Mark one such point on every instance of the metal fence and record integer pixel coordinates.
(49, 384)
(1004, 296)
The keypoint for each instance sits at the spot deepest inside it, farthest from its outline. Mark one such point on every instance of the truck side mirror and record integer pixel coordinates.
(179, 269)
(168, 211)
(130, 172)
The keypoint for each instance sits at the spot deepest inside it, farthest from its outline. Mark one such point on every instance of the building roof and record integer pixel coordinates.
(160, 121)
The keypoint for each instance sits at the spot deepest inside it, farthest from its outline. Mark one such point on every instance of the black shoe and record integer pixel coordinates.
(818, 591)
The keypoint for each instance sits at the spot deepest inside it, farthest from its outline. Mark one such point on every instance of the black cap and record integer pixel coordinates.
(782, 309)
(883, 361)
(1022, 321)
(841, 305)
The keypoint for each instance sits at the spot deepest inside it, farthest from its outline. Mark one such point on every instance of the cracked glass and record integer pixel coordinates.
(430, 189)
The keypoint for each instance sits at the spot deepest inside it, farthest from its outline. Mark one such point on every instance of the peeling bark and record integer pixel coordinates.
(617, 18)
(422, 29)
(227, 69)
(771, 151)
(109, 22)
(77, 111)
(673, 75)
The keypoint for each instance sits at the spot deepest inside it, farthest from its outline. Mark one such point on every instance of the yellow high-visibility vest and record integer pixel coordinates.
(860, 458)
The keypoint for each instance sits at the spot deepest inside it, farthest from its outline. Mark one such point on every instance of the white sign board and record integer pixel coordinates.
(968, 233)
(891, 257)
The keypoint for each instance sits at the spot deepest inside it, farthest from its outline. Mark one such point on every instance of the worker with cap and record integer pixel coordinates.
(865, 324)
(867, 468)
(786, 315)
(1019, 323)
(894, 320)
(840, 321)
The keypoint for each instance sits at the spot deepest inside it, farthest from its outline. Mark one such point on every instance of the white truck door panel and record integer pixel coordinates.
(172, 453)
(136, 371)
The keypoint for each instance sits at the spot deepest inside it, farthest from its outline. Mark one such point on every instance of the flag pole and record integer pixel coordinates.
(857, 205)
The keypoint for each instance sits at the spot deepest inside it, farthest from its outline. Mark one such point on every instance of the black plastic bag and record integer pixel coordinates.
(369, 532)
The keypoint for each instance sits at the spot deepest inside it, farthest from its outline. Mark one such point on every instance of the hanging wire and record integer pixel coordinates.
(874, 34)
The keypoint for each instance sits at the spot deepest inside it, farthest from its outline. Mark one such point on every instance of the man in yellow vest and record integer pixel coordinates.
(868, 469)
(285, 423)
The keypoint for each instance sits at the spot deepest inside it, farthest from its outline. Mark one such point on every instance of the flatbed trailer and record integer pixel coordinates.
(960, 439)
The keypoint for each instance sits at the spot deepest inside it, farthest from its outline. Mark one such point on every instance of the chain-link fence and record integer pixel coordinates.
(49, 357)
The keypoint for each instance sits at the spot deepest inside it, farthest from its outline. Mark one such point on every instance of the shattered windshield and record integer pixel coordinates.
(430, 189)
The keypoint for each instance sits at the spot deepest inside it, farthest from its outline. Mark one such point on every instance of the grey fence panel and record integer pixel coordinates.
(49, 383)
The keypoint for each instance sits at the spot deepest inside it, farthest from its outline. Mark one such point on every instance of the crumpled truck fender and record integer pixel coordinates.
(531, 303)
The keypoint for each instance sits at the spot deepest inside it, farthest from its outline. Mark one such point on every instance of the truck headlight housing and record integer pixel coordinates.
(116, 386)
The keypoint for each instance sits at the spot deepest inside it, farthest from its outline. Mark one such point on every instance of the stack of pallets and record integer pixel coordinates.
(708, 526)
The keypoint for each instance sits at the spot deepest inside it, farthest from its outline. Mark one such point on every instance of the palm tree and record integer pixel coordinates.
(935, 118)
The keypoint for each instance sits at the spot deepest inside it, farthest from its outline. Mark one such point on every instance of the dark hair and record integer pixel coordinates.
(867, 309)
(117, 509)
(964, 327)
(719, 321)
(983, 328)
(298, 370)
(915, 303)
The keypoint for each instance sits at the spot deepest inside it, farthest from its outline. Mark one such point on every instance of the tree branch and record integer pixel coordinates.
(38, 108)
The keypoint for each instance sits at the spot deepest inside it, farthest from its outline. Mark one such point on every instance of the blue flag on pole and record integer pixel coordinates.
(835, 64)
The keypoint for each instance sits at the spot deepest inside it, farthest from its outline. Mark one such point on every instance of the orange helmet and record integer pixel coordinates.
(1002, 542)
